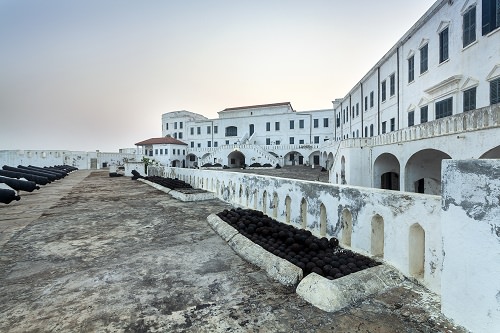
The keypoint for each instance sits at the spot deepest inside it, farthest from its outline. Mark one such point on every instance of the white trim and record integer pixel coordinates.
(494, 74)
(423, 42)
(468, 6)
(469, 83)
(443, 25)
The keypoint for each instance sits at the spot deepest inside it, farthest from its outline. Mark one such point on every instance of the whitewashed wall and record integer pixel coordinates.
(78, 159)
(470, 290)
(399, 211)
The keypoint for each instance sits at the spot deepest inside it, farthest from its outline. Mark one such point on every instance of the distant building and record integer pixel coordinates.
(166, 150)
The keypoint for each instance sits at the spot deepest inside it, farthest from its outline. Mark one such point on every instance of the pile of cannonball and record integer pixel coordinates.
(312, 254)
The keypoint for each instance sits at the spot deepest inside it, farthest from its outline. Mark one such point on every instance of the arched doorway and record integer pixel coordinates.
(377, 239)
(386, 172)
(303, 213)
(275, 205)
(342, 171)
(236, 159)
(416, 251)
(294, 158)
(346, 221)
(288, 204)
(423, 171)
(264, 202)
(492, 153)
(322, 220)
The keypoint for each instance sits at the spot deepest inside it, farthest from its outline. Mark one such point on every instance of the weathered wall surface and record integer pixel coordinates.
(471, 243)
(79, 159)
(381, 221)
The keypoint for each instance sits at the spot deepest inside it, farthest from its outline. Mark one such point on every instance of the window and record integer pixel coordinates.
(392, 85)
(192, 144)
(180, 124)
(268, 127)
(178, 151)
(166, 126)
(208, 129)
(491, 15)
(301, 142)
(366, 103)
(325, 122)
(366, 131)
(175, 125)
(470, 99)
(316, 139)
(180, 135)
(198, 145)
(166, 151)
(151, 152)
(173, 151)
(495, 91)
(277, 126)
(183, 152)
(338, 120)
(216, 144)
(444, 108)
(371, 99)
(231, 131)
(383, 90)
(291, 140)
(384, 127)
(192, 130)
(216, 129)
(357, 110)
(443, 45)
(316, 123)
(268, 141)
(278, 142)
(469, 26)
(198, 130)
(209, 144)
(393, 124)
(411, 69)
(192, 158)
(424, 53)
(371, 130)
(411, 118)
(301, 123)
(156, 151)
(227, 142)
(292, 124)
(175, 135)
(423, 114)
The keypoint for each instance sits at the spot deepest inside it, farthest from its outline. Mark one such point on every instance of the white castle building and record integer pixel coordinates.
(433, 96)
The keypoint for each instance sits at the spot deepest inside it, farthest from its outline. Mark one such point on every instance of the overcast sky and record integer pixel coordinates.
(98, 74)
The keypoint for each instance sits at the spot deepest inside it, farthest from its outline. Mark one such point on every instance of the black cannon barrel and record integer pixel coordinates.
(56, 170)
(31, 172)
(20, 185)
(58, 174)
(7, 196)
(39, 170)
(67, 168)
(13, 174)
(50, 176)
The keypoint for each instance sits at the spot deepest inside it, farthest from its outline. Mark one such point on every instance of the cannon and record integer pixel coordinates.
(20, 185)
(7, 196)
(67, 168)
(39, 171)
(57, 173)
(13, 174)
(31, 172)
(136, 175)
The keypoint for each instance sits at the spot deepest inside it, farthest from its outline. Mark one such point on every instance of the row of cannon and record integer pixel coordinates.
(28, 178)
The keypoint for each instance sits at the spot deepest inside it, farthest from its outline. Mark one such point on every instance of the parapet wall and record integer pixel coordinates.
(401, 228)
(78, 159)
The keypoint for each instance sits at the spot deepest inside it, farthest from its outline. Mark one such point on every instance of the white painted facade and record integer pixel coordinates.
(78, 159)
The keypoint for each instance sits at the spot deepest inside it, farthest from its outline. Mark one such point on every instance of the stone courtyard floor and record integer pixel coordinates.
(91, 253)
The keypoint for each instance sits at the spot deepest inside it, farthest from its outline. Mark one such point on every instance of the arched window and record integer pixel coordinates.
(231, 131)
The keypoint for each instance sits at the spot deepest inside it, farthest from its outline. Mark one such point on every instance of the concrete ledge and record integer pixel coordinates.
(222, 228)
(179, 195)
(334, 295)
(277, 268)
(192, 196)
(156, 186)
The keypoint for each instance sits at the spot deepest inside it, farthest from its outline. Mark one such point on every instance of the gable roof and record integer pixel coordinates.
(258, 106)
(164, 140)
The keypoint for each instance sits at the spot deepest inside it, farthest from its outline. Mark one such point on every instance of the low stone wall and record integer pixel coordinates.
(403, 229)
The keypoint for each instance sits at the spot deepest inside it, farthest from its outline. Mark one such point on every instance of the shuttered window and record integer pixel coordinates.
(469, 26)
(495, 91)
(470, 99)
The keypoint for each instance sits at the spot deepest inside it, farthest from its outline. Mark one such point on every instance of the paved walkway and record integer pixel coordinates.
(91, 253)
